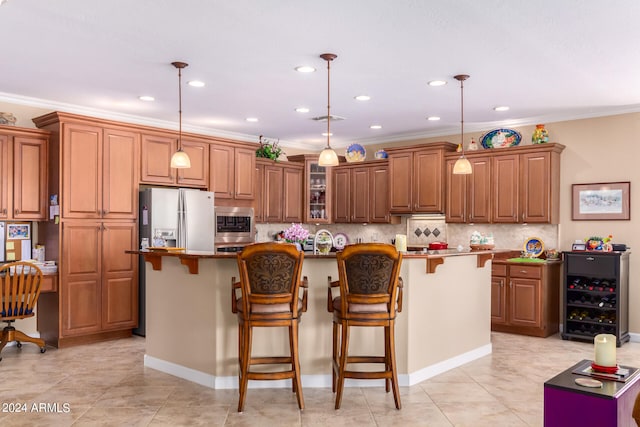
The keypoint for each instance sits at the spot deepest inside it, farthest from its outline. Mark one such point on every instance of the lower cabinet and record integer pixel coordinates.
(98, 290)
(525, 297)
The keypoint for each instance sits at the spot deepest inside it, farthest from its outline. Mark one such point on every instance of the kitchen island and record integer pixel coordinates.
(192, 333)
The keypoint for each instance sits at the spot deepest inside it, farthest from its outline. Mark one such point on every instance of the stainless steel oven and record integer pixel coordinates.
(235, 228)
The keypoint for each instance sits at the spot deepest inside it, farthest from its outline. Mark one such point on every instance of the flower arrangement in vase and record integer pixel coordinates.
(269, 149)
(296, 234)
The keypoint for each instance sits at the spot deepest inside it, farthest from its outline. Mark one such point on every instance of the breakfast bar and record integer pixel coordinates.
(192, 333)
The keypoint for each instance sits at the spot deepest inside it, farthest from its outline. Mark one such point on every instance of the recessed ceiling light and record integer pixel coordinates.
(437, 83)
(433, 118)
(302, 110)
(325, 134)
(196, 83)
(146, 98)
(252, 119)
(305, 69)
(375, 127)
(362, 97)
(501, 108)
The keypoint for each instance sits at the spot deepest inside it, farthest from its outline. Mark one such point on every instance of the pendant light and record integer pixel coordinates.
(328, 157)
(180, 159)
(462, 165)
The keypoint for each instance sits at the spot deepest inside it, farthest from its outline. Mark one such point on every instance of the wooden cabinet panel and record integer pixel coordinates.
(155, 153)
(428, 190)
(525, 302)
(259, 207)
(29, 178)
(341, 195)
(81, 171)
(292, 191)
(198, 174)
(360, 197)
(245, 166)
(81, 266)
(479, 191)
(456, 203)
(317, 189)
(498, 300)
(401, 179)
(120, 174)
(379, 194)
(506, 188)
(6, 177)
(273, 179)
(119, 276)
(536, 186)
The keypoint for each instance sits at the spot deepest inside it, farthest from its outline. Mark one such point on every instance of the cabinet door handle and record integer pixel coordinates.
(4, 211)
(17, 211)
(523, 271)
(590, 258)
(510, 284)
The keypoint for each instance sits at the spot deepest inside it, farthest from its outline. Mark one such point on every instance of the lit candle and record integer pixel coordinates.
(605, 347)
(401, 242)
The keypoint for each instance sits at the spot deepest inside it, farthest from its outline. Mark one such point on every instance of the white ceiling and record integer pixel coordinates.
(548, 60)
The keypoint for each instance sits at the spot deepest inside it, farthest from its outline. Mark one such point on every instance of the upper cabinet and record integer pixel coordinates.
(317, 189)
(97, 177)
(508, 185)
(23, 174)
(416, 178)
(360, 192)
(279, 186)
(232, 175)
(156, 152)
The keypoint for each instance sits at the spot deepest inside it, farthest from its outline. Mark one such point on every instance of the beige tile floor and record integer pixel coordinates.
(106, 384)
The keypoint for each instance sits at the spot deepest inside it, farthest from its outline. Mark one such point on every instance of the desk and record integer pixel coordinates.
(568, 404)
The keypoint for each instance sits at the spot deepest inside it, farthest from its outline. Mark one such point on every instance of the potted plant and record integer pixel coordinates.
(269, 149)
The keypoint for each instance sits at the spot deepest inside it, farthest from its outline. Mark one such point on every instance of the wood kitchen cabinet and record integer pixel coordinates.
(511, 185)
(232, 174)
(280, 191)
(361, 192)
(156, 151)
(468, 197)
(525, 297)
(317, 189)
(23, 178)
(416, 176)
(99, 172)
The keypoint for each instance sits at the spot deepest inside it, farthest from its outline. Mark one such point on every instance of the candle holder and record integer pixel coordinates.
(605, 353)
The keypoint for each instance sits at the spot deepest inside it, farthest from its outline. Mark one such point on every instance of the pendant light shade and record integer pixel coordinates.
(180, 159)
(328, 157)
(462, 165)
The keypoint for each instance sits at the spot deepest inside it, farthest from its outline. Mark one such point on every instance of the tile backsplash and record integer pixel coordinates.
(423, 230)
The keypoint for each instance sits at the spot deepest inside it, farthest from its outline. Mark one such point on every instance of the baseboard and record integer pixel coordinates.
(312, 381)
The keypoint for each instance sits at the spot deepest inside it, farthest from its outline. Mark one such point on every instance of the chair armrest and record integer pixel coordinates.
(331, 285)
(400, 286)
(304, 284)
(234, 286)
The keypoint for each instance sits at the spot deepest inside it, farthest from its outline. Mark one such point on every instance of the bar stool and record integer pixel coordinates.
(370, 296)
(268, 295)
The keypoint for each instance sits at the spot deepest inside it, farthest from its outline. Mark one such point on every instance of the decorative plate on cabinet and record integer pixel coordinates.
(355, 153)
(340, 240)
(534, 247)
(501, 138)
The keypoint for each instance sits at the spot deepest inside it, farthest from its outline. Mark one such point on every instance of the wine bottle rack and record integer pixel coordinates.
(596, 289)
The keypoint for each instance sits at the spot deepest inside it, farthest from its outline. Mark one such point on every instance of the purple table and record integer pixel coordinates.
(568, 404)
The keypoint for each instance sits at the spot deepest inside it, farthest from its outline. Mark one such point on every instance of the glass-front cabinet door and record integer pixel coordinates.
(317, 189)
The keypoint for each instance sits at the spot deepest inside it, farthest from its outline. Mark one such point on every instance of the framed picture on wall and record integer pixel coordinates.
(601, 201)
(18, 231)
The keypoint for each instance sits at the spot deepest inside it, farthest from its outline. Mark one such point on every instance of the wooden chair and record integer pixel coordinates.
(268, 294)
(370, 296)
(20, 287)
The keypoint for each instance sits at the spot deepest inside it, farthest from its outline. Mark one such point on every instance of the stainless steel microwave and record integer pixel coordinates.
(234, 225)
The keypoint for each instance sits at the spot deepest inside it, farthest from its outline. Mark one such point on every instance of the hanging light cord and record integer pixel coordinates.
(328, 100)
(180, 108)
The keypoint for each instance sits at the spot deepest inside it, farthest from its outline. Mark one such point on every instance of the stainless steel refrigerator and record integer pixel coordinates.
(173, 217)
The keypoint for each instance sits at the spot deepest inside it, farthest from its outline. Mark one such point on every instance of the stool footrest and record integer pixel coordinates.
(366, 359)
(272, 360)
